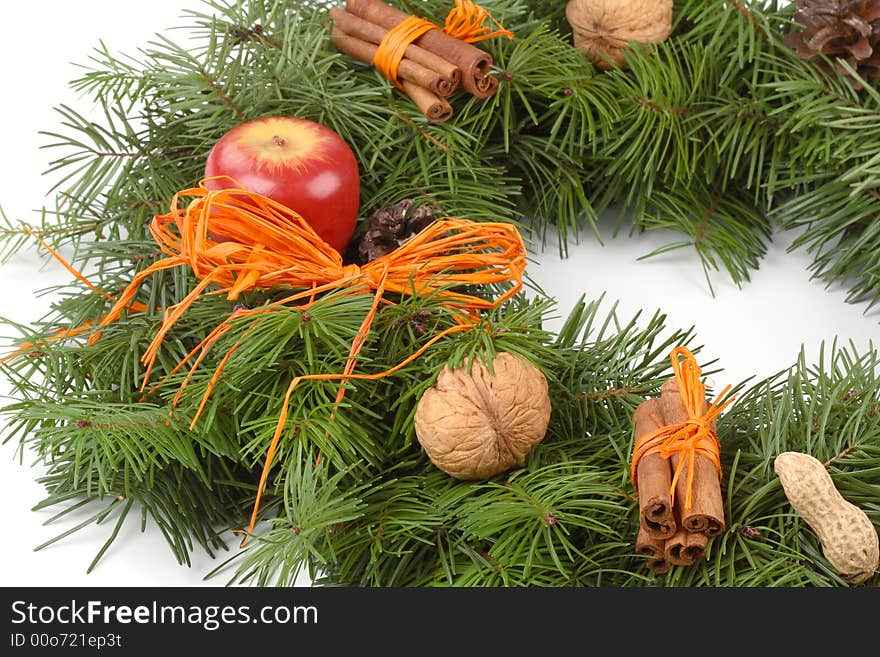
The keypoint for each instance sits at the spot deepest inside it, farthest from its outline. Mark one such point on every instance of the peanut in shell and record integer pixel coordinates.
(848, 537)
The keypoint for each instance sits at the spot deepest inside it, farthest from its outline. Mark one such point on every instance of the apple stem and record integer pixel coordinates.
(278, 141)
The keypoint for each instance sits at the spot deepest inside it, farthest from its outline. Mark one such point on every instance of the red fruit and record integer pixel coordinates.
(299, 163)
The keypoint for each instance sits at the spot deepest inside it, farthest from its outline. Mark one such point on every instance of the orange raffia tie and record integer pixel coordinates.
(689, 438)
(393, 46)
(239, 241)
(466, 22)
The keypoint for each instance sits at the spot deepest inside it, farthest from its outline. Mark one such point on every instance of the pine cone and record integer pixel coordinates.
(390, 227)
(848, 31)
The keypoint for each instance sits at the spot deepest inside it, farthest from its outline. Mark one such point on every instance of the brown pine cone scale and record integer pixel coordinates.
(840, 30)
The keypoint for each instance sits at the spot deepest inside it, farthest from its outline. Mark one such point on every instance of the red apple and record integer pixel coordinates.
(299, 163)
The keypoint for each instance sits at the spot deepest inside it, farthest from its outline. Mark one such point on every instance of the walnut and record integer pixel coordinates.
(474, 425)
(603, 29)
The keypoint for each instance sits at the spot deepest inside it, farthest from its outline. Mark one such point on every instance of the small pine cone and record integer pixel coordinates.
(390, 227)
(841, 30)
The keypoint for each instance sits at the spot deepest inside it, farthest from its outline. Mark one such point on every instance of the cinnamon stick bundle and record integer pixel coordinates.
(475, 64)
(671, 532)
(448, 74)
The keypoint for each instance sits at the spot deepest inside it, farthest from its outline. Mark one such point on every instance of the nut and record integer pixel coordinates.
(474, 425)
(604, 29)
(849, 538)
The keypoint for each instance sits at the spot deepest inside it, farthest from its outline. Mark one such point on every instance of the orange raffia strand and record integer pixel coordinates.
(467, 22)
(690, 438)
(392, 48)
(73, 331)
(239, 241)
(276, 438)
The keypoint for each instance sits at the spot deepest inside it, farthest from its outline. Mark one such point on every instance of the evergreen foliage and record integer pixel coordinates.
(717, 133)
(720, 133)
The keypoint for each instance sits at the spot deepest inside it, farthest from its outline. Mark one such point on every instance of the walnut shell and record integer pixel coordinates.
(603, 29)
(474, 425)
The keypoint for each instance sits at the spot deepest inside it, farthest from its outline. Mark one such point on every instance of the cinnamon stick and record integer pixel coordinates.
(407, 71)
(653, 476)
(654, 548)
(685, 547)
(706, 513)
(449, 74)
(475, 64)
(435, 108)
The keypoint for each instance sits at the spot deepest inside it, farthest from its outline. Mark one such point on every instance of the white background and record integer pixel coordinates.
(753, 332)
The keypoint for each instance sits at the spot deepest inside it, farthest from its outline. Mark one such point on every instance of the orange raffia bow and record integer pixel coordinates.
(240, 241)
(691, 437)
(467, 22)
